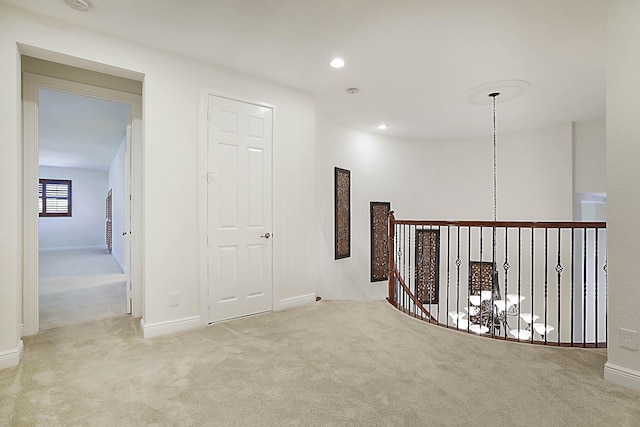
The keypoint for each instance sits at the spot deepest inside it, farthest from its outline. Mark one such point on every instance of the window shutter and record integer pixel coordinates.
(54, 197)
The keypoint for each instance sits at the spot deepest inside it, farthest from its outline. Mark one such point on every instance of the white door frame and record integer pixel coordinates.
(31, 84)
(239, 96)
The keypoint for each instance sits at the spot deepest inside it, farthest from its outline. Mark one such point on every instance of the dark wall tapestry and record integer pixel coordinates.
(427, 266)
(342, 206)
(483, 276)
(379, 240)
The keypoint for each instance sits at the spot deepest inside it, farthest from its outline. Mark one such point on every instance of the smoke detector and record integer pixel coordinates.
(79, 5)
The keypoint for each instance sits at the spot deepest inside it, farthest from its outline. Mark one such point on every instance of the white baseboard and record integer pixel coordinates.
(296, 301)
(169, 327)
(11, 358)
(622, 376)
(72, 248)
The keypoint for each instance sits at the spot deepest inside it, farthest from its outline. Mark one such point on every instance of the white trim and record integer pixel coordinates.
(202, 206)
(169, 327)
(11, 358)
(248, 98)
(31, 84)
(73, 248)
(297, 301)
(622, 376)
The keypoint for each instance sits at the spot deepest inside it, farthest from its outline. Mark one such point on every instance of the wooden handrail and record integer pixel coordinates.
(503, 224)
(413, 297)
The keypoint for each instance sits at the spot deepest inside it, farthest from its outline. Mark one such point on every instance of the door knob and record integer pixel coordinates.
(266, 235)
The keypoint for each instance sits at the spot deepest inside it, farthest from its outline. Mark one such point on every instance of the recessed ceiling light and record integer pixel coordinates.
(337, 63)
(382, 126)
(80, 5)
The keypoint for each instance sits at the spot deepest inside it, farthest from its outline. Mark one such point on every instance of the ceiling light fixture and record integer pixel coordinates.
(382, 126)
(79, 5)
(337, 63)
(508, 90)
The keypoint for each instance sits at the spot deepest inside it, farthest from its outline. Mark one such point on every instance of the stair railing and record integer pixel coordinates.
(537, 282)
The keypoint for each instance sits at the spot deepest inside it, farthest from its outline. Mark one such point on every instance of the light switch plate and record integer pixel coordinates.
(174, 299)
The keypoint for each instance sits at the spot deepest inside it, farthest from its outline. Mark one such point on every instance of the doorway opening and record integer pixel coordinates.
(90, 137)
(82, 151)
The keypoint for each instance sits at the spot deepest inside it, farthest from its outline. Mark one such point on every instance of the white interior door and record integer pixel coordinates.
(239, 208)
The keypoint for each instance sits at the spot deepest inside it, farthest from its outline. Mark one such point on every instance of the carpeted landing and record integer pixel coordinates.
(329, 363)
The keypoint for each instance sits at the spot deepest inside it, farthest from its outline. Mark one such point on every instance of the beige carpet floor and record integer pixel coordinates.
(79, 285)
(330, 363)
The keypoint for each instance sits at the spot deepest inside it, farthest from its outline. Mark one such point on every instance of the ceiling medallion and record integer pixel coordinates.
(508, 90)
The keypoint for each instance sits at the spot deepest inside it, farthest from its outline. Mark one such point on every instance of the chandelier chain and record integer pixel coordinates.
(495, 182)
(495, 167)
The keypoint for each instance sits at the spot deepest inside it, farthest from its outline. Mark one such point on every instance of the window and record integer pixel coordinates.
(54, 197)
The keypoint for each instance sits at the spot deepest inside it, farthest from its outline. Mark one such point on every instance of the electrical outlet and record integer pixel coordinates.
(629, 339)
(174, 299)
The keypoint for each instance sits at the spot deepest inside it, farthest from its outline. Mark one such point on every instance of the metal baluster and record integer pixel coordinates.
(584, 290)
(469, 276)
(494, 272)
(532, 279)
(458, 263)
(480, 306)
(506, 278)
(429, 284)
(397, 264)
(436, 277)
(606, 296)
(573, 234)
(595, 266)
(403, 260)
(409, 271)
(546, 277)
(559, 271)
(448, 269)
(519, 274)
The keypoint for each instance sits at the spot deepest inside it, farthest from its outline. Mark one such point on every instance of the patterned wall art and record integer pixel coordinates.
(379, 213)
(342, 206)
(427, 265)
(483, 276)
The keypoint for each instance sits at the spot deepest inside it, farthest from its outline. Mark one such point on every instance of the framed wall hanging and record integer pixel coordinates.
(342, 207)
(379, 220)
(427, 265)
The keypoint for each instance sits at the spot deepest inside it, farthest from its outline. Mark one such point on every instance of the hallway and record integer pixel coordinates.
(79, 285)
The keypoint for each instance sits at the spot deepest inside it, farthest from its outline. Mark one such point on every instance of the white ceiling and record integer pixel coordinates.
(414, 61)
(79, 131)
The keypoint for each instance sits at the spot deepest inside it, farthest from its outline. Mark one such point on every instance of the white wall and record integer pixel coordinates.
(86, 226)
(117, 186)
(174, 239)
(590, 156)
(10, 188)
(623, 176)
(437, 179)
